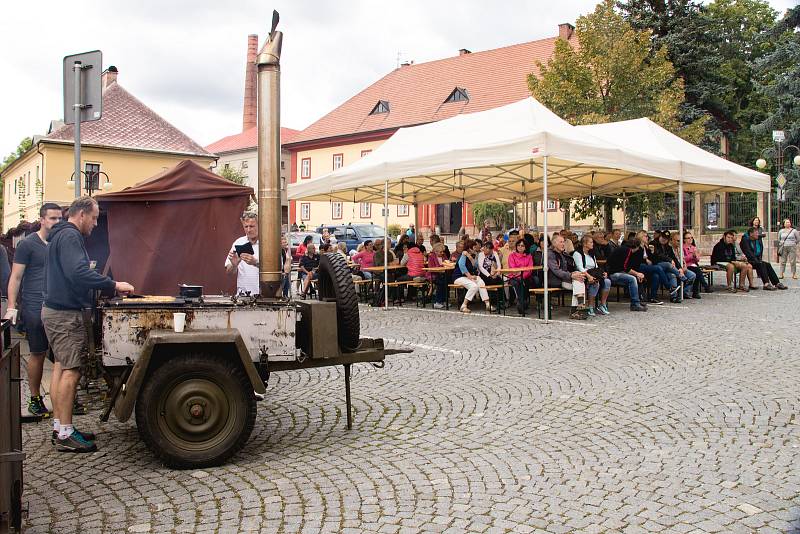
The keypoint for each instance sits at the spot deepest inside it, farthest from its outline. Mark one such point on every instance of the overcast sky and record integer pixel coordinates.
(185, 59)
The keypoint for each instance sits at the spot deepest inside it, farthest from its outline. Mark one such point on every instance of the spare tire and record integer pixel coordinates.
(336, 283)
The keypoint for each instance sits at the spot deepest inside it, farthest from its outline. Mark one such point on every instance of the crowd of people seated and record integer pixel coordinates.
(643, 264)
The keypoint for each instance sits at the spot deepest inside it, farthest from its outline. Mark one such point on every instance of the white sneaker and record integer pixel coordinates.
(438, 305)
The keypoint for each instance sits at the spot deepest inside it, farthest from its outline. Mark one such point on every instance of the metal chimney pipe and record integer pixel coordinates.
(269, 155)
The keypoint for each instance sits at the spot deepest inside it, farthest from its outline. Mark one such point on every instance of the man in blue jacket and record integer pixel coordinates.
(68, 291)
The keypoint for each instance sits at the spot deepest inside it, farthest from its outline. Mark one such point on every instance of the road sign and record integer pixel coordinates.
(778, 136)
(781, 194)
(91, 90)
(781, 180)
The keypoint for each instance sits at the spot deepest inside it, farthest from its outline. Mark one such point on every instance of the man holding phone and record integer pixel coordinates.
(243, 256)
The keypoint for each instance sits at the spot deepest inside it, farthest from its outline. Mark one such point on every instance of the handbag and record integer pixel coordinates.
(781, 248)
(596, 273)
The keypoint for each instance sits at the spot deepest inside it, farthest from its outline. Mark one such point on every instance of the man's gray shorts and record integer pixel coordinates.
(67, 334)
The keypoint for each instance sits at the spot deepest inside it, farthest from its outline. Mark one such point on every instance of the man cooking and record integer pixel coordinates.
(244, 264)
(68, 291)
(28, 274)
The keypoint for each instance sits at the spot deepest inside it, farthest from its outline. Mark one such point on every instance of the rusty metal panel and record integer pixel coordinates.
(267, 329)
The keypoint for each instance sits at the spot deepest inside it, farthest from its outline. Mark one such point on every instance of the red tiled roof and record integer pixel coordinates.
(246, 139)
(128, 123)
(416, 93)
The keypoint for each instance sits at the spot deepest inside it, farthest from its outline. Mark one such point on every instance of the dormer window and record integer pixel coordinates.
(381, 107)
(459, 94)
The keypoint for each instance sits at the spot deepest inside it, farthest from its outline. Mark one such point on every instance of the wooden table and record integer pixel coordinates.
(442, 269)
(522, 293)
(379, 269)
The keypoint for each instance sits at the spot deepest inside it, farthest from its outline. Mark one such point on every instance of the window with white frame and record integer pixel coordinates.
(338, 161)
(305, 211)
(402, 210)
(305, 168)
(336, 210)
(552, 205)
(365, 210)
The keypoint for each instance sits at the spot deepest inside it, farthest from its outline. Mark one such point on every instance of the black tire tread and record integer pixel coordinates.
(336, 282)
(190, 361)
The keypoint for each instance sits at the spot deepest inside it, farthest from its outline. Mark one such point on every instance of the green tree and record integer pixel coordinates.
(496, 212)
(613, 74)
(687, 32)
(234, 175)
(777, 78)
(24, 145)
(742, 32)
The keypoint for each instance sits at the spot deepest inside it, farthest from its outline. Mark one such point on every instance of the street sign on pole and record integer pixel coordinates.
(781, 196)
(778, 136)
(781, 180)
(83, 98)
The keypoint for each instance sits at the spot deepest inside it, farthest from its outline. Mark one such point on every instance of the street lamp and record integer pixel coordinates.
(777, 152)
(89, 183)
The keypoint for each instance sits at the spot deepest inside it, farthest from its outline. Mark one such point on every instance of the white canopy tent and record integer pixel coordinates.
(699, 170)
(513, 152)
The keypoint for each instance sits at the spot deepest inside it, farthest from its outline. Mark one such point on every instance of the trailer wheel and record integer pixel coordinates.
(196, 410)
(336, 282)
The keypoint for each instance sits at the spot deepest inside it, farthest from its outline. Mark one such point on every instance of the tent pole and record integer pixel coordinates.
(769, 222)
(546, 240)
(386, 245)
(624, 214)
(680, 227)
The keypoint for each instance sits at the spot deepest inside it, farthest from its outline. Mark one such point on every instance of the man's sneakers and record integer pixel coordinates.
(438, 305)
(87, 436)
(655, 302)
(638, 308)
(37, 407)
(781, 286)
(75, 442)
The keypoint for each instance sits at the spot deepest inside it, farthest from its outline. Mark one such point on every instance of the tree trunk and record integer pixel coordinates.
(608, 214)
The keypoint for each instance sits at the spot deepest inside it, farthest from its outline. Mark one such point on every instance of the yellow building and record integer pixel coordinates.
(130, 143)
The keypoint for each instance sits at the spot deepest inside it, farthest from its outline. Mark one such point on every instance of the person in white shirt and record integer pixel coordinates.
(488, 264)
(245, 265)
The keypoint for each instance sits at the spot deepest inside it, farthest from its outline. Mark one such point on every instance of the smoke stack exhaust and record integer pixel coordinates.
(250, 84)
(269, 157)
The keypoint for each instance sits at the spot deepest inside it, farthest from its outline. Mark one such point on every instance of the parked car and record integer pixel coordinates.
(296, 238)
(354, 234)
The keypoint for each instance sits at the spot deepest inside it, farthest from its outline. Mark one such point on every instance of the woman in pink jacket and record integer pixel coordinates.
(521, 282)
(692, 259)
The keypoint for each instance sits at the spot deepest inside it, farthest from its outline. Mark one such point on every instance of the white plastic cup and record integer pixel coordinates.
(179, 321)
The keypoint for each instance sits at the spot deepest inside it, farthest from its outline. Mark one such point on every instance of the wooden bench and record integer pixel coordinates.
(363, 289)
(411, 283)
(499, 290)
(538, 294)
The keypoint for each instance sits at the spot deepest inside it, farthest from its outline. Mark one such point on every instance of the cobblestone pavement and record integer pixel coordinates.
(682, 419)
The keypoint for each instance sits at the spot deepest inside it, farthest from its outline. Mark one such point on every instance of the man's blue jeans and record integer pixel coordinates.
(631, 282)
(674, 275)
(656, 275)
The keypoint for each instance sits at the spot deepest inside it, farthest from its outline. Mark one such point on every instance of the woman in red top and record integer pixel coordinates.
(692, 259)
(522, 282)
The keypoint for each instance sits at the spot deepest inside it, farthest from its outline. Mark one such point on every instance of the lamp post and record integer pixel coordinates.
(777, 152)
(89, 181)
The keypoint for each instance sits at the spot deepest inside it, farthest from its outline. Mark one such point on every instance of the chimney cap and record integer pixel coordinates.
(112, 68)
(463, 51)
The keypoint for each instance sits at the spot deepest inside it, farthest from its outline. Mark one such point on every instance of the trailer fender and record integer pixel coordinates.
(228, 338)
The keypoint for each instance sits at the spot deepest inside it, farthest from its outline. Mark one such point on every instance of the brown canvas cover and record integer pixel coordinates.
(174, 228)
